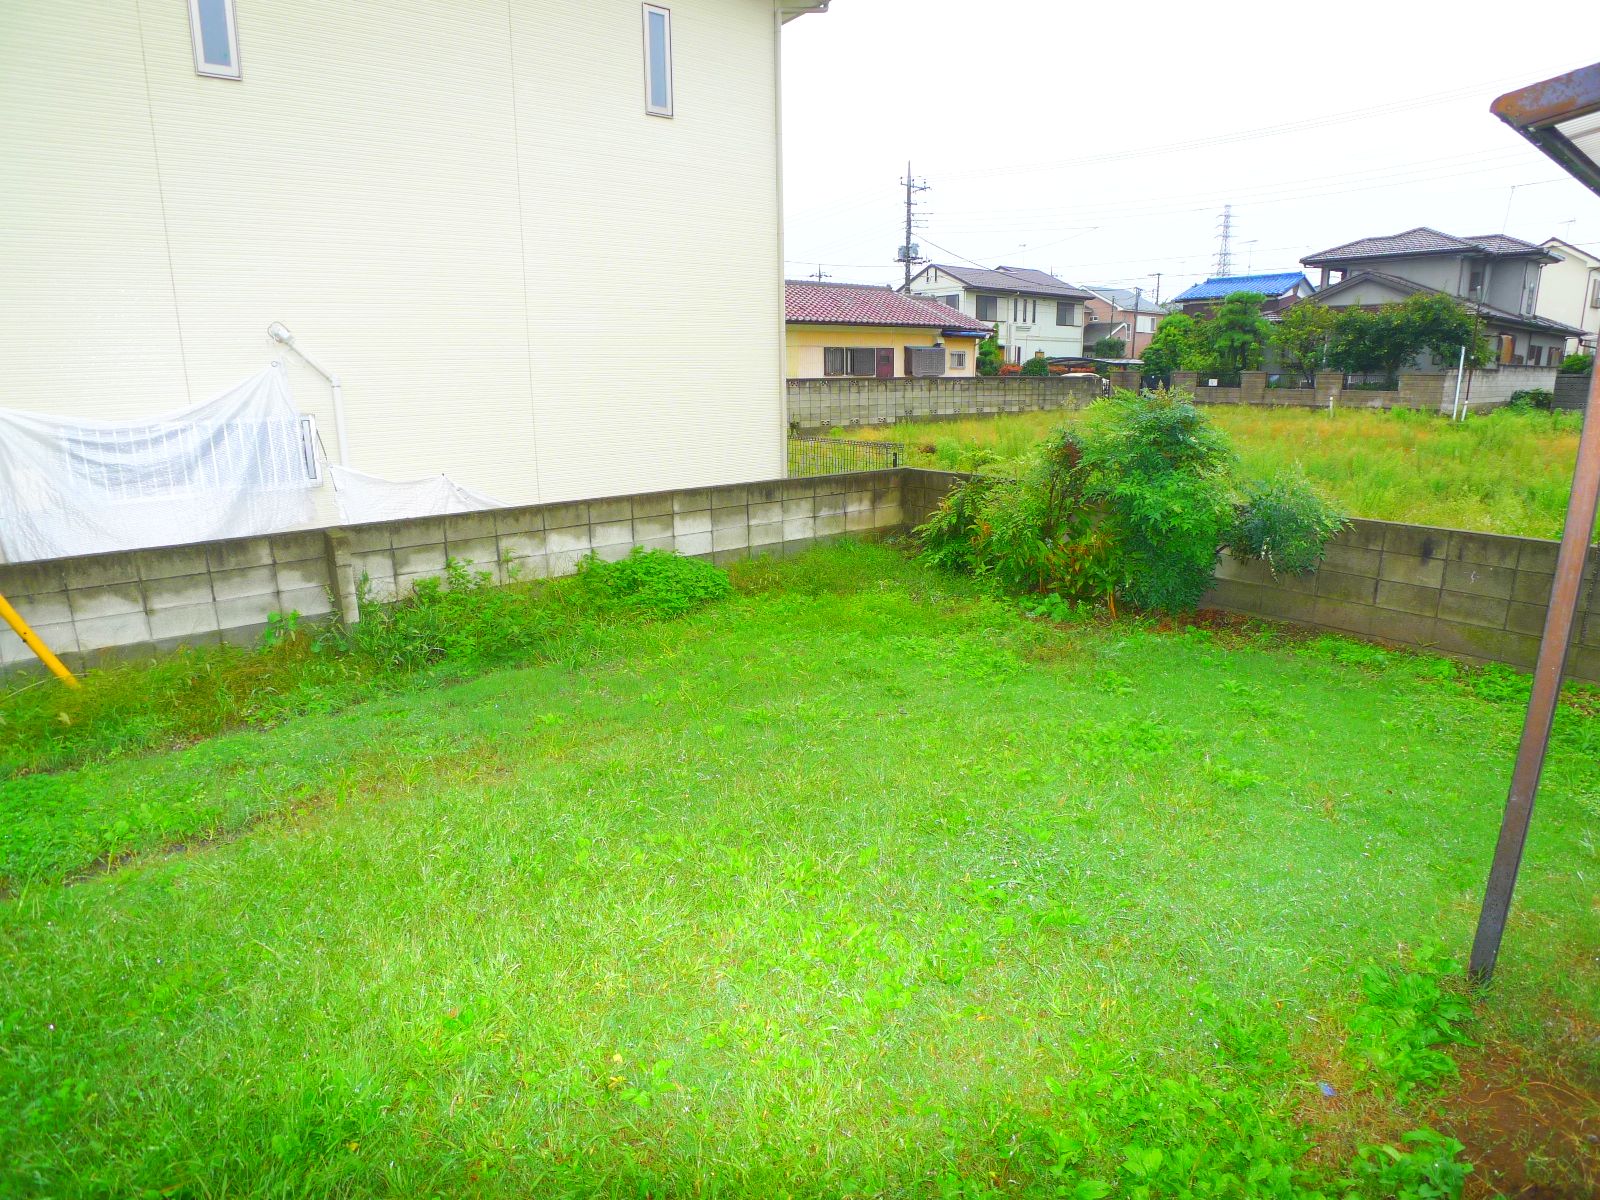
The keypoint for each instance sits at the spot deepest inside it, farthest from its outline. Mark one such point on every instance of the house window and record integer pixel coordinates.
(953, 301)
(1533, 354)
(1146, 325)
(863, 361)
(657, 61)
(216, 40)
(958, 360)
(988, 308)
(1066, 312)
(1594, 294)
(1475, 281)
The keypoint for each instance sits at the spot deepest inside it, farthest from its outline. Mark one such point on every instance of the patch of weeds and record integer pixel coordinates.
(1405, 1019)
(1424, 1167)
(652, 583)
(1499, 684)
(1347, 652)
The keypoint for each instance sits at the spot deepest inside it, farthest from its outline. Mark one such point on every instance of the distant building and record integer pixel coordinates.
(1031, 311)
(1281, 289)
(1569, 292)
(1496, 276)
(1121, 313)
(850, 329)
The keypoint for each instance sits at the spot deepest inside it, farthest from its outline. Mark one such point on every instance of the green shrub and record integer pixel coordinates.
(1577, 364)
(1037, 365)
(1136, 503)
(652, 583)
(1540, 398)
(1285, 523)
(989, 356)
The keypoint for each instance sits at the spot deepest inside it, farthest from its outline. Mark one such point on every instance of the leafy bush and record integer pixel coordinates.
(652, 583)
(1540, 398)
(1427, 1171)
(1406, 1016)
(1285, 524)
(1137, 503)
(1037, 365)
(989, 356)
(1577, 364)
(1109, 347)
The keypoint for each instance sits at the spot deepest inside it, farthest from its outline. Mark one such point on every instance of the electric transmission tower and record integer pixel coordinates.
(910, 253)
(1225, 242)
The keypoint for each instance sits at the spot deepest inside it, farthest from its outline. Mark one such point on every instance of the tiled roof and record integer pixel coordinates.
(1021, 280)
(1123, 298)
(1421, 240)
(1225, 285)
(865, 304)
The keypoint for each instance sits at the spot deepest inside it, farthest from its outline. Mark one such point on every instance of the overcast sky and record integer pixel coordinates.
(1100, 142)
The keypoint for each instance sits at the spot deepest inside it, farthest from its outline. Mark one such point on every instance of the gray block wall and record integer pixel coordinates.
(1572, 391)
(826, 403)
(109, 605)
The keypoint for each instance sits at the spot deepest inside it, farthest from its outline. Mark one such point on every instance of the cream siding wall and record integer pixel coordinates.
(807, 342)
(1566, 289)
(460, 206)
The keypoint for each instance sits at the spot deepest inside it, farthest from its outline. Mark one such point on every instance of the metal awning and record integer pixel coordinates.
(1561, 116)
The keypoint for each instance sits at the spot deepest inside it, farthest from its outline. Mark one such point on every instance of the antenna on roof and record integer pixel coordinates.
(1225, 243)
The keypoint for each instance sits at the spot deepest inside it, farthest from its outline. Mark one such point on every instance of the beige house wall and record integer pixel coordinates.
(807, 342)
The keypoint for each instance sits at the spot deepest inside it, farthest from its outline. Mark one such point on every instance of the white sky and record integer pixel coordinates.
(1100, 142)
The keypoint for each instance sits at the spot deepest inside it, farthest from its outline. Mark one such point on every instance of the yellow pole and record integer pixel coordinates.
(31, 639)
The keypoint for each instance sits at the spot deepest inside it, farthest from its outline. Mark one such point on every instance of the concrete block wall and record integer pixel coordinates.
(1572, 391)
(1474, 595)
(145, 601)
(826, 403)
(1490, 388)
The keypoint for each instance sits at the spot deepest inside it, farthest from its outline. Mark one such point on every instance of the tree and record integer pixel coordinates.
(1238, 331)
(1577, 364)
(1177, 346)
(989, 356)
(1302, 335)
(1037, 365)
(1440, 325)
(1109, 347)
(1389, 339)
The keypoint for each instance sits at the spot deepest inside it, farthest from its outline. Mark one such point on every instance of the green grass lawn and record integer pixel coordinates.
(857, 883)
(1502, 472)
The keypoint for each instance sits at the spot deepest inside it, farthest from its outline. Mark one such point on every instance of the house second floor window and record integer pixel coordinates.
(1066, 312)
(988, 308)
(1147, 324)
(1475, 281)
(216, 41)
(657, 61)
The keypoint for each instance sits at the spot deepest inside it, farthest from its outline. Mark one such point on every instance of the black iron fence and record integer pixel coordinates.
(810, 454)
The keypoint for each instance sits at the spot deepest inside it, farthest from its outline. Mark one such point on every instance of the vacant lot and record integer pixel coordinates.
(856, 883)
(1504, 472)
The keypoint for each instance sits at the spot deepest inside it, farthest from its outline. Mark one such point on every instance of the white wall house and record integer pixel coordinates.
(537, 240)
(1569, 292)
(1031, 311)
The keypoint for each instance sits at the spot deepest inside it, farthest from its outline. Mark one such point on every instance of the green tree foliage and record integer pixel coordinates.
(989, 356)
(1037, 365)
(1302, 334)
(1178, 345)
(1109, 347)
(1392, 337)
(1237, 332)
(1137, 503)
(1577, 364)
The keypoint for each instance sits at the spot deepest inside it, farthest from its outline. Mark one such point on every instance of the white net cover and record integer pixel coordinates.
(239, 464)
(364, 497)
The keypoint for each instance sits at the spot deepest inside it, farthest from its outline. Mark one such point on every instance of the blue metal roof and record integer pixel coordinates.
(1225, 285)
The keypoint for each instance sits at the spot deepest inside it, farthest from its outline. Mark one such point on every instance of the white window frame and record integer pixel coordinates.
(197, 38)
(653, 110)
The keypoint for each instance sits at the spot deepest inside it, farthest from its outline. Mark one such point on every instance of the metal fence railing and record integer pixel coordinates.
(810, 454)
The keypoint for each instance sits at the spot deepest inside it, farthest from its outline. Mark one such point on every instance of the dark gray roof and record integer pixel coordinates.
(1489, 312)
(1422, 240)
(1022, 281)
(1124, 298)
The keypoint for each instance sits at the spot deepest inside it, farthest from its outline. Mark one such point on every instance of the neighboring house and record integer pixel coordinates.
(1569, 292)
(1030, 310)
(1496, 276)
(1281, 289)
(874, 332)
(537, 240)
(1121, 313)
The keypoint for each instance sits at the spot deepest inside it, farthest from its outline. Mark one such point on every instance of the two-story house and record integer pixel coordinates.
(1494, 275)
(1031, 311)
(1569, 292)
(537, 242)
(1125, 313)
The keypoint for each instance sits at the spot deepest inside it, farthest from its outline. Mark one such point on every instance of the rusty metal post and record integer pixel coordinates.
(1565, 593)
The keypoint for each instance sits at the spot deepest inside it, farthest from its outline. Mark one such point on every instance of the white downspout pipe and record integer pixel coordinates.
(279, 332)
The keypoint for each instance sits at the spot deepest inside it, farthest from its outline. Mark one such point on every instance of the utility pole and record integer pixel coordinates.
(911, 253)
(1133, 332)
(821, 274)
(1158, 289)
(1225, 243)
